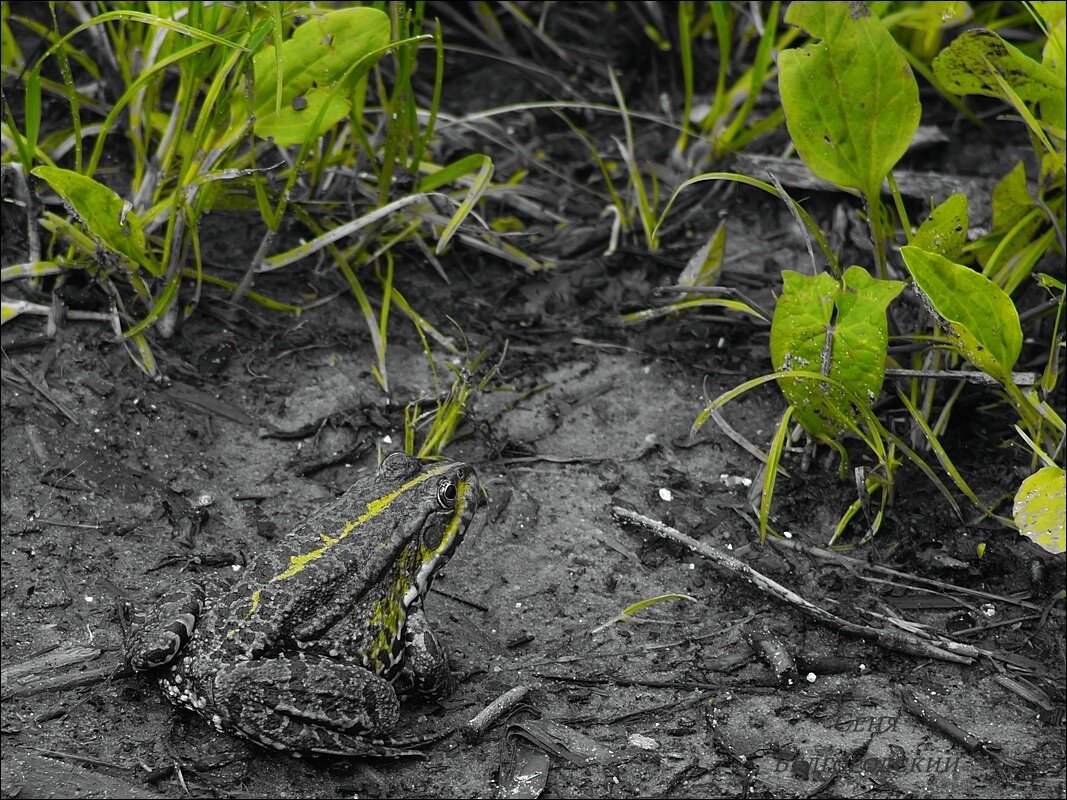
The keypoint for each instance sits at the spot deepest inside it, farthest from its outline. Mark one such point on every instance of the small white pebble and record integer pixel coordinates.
(643, 742)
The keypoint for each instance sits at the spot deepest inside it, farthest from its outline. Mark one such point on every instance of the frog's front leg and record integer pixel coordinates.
(156, 636)
(426, 662)
(306, 703)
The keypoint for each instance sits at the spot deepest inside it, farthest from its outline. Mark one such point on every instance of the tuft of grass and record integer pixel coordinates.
(829, 361)
(217, 106)
(430, 425)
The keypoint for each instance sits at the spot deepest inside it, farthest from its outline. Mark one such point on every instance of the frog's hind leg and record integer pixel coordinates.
(307, 703)
(156, 636)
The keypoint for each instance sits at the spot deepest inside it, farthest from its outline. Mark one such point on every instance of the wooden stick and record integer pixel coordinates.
(899, 640)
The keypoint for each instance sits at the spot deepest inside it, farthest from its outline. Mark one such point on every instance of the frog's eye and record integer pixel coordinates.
(446, 495)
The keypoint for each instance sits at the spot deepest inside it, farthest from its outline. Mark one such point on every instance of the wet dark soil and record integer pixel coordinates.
(105, 503)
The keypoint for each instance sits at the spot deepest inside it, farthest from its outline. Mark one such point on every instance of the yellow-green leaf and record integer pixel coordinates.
(1039, 508)
(945, 230)
(1011, 199)
(968, 65)
(978, 315)
(832, 329)
(1053, 56)
(851, 102)
(317, 56)
(109, 220)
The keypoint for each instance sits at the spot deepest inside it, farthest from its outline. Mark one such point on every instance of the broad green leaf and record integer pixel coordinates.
(861, 335)
(967, 66)
(851, 102)
(107, 218)
(1039, 509)
(1052, 13)
(1011, 199)
(1053, 56)
(945, 231)
(978, 315)
(313, 60)
(1017, 222)
(832, 329)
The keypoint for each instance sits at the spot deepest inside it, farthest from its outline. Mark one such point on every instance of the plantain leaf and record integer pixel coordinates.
(103, 213)
(979, 317)
(837, 330)
(851, 102)
(945, 231)
(312, 61)
(1039, 509)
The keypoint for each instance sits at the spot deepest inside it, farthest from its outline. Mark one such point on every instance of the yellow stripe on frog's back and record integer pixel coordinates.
(375, 507)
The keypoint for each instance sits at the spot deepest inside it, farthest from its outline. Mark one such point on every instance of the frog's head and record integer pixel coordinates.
(429, 508)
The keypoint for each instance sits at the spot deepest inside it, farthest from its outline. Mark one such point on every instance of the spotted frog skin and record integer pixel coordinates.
(300, 653)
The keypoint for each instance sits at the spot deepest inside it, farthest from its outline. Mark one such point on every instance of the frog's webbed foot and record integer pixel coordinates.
(156, 636)
(309, 704)
(426, 663)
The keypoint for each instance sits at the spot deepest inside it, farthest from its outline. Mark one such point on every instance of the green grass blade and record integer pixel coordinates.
(770, 472)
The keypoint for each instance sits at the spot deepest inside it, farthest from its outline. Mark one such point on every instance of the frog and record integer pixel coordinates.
(305, 650)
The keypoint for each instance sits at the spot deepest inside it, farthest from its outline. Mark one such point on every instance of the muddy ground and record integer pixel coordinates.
(674, 702)
(115, 486)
